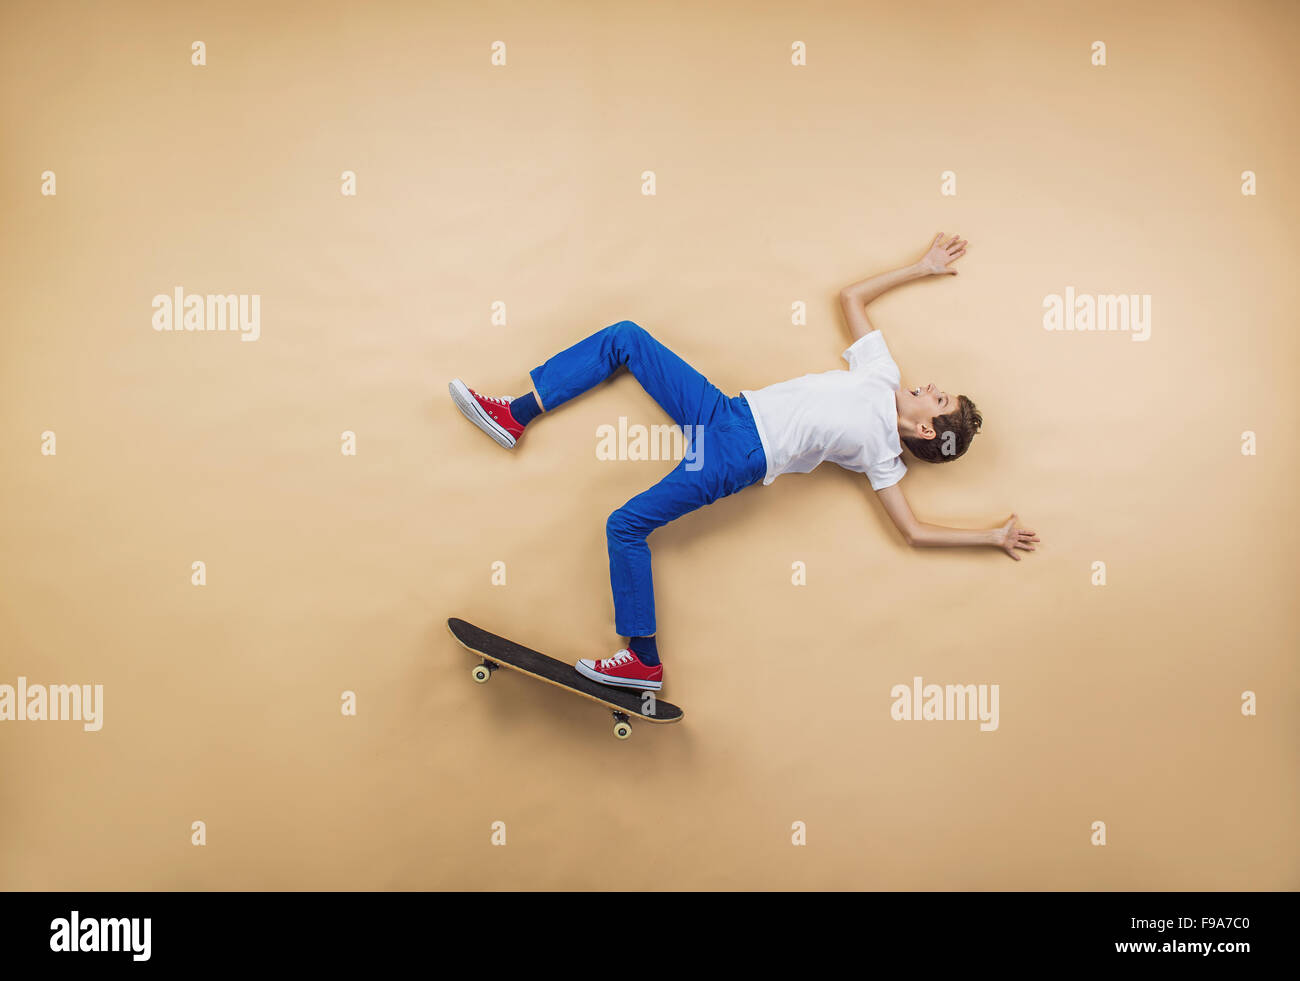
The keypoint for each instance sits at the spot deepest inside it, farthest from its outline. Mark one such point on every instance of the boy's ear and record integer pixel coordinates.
(924, 431)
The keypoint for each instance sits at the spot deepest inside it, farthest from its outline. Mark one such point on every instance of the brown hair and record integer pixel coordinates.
(952, 434)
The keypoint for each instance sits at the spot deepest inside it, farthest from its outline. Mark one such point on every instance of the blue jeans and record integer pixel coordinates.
(726, 454)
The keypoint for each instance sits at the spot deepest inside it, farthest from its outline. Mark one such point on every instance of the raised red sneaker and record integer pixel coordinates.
(624, 669)
(489, 413)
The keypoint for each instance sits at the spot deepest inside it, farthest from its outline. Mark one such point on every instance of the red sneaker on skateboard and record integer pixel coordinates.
(623, 670)
(489, 413)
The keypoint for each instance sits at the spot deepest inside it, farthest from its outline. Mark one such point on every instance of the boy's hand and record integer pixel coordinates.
(938, 261)
(1009, 538)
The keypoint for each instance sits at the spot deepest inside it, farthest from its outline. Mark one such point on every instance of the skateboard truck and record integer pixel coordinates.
(483, 672)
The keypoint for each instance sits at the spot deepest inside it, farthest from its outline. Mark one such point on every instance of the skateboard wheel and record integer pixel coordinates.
(482, 673)
(622, 730)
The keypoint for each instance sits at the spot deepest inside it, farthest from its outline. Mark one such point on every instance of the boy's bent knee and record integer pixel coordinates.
(615, 526)
(627, 340)
(628, 330)
(621, 529)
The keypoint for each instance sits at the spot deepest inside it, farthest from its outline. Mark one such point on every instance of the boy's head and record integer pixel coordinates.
(935, 426)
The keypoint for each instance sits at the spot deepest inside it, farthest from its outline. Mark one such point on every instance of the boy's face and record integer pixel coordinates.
(918, 406)
(925, 401)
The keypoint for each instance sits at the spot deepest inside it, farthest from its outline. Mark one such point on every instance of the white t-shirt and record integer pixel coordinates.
(847, 417)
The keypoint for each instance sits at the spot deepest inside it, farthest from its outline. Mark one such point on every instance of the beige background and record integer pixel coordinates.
(522, 185)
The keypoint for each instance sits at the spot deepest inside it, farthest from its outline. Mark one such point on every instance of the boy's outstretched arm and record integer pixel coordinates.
(921, 535)
(937, 261)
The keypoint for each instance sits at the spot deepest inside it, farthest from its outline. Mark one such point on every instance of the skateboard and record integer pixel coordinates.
(497, 652)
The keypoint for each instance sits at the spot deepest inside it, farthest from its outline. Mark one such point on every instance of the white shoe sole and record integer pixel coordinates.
(605, 679)
(472, 411)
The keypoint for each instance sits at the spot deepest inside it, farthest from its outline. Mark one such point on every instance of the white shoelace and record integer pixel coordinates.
(493, 398)
(622, 657)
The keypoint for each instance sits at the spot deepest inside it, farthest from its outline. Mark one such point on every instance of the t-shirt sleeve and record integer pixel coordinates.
(866, 349)
(882, 475)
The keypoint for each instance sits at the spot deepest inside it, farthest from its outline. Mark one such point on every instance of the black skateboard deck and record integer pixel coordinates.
(498, 652)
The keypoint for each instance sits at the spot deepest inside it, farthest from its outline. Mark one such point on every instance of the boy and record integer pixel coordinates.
(859, 419)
